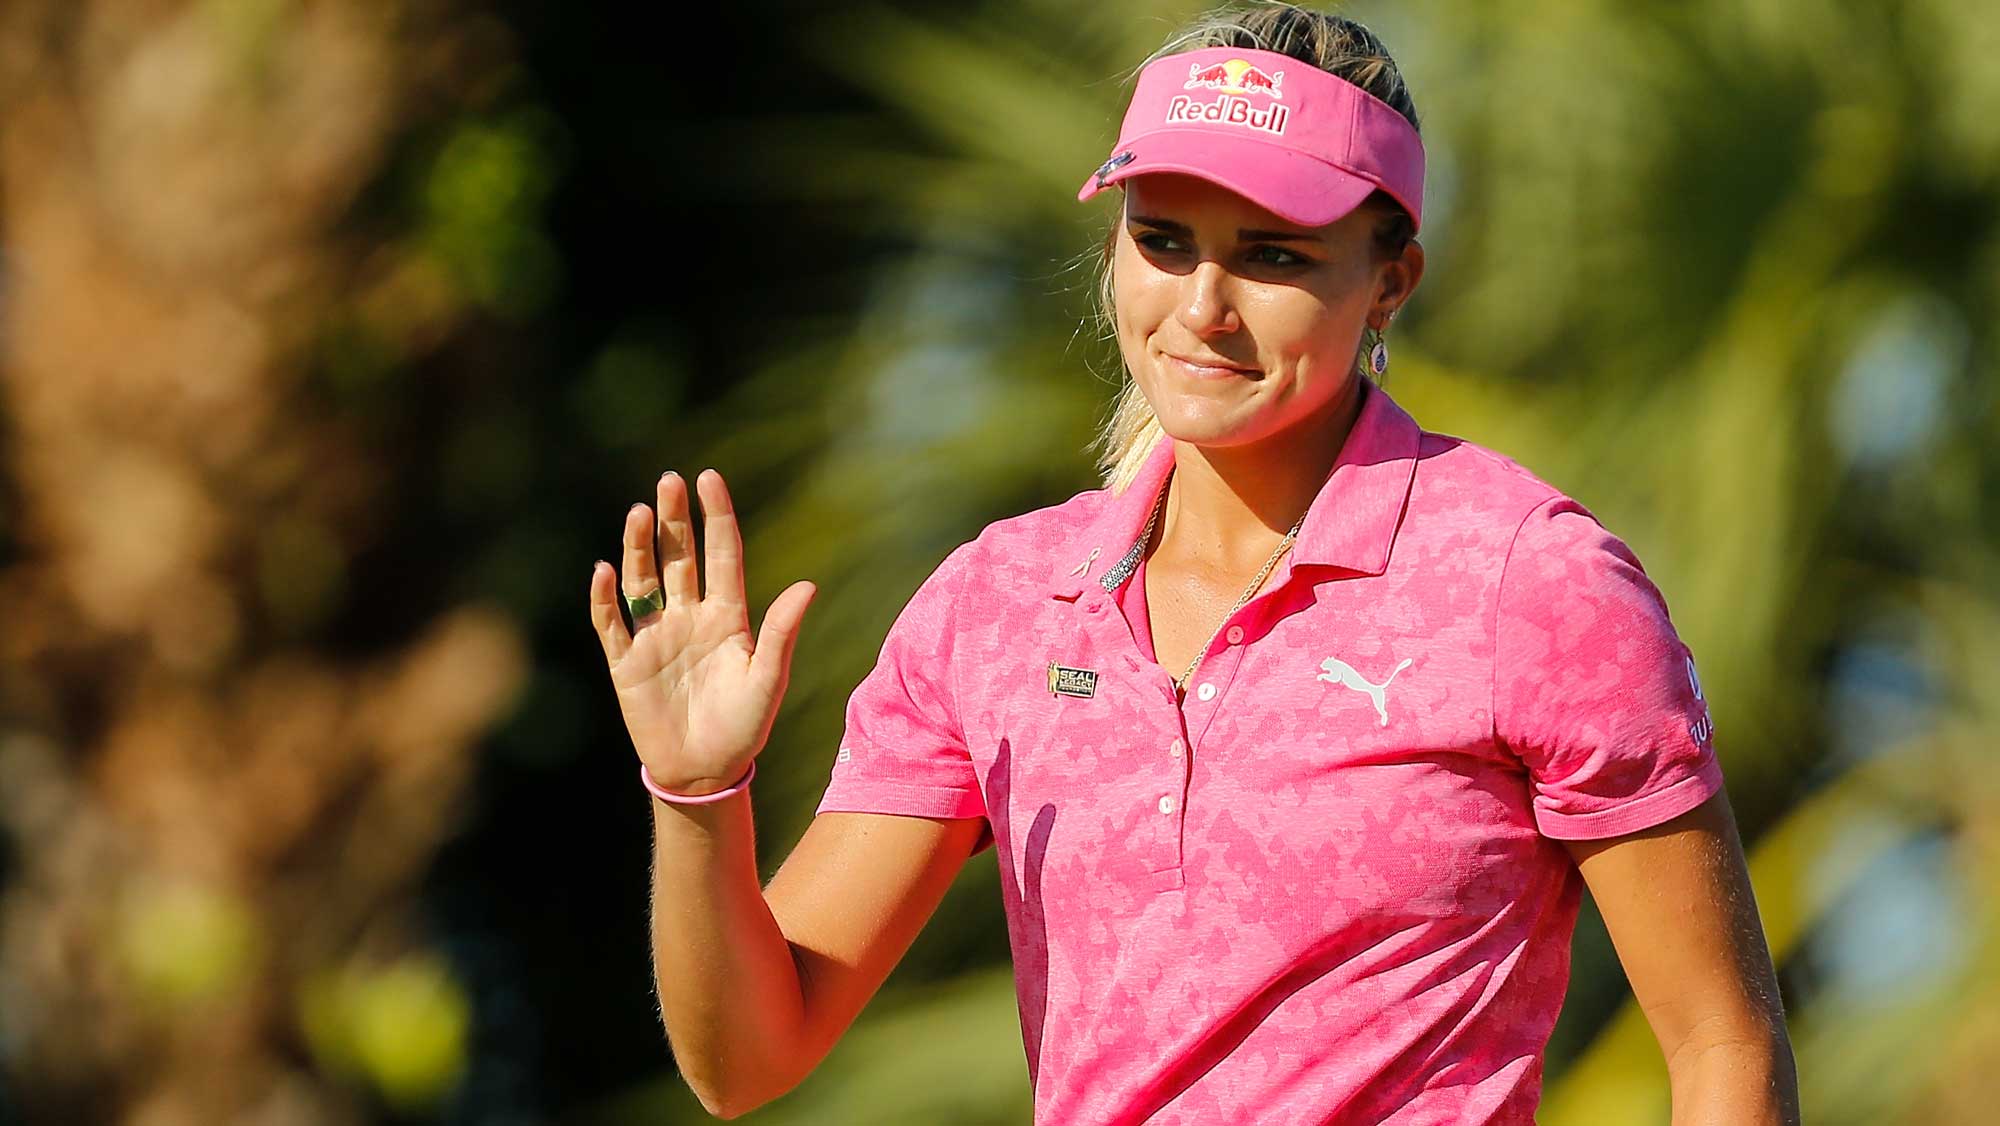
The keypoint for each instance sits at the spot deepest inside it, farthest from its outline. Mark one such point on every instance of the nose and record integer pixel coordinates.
(1206, 307)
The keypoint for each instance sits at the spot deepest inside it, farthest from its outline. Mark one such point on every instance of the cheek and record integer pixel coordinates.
(1295, 327)
(1142, 293)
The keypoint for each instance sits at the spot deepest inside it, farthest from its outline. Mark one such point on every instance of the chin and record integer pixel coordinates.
(1205, 421)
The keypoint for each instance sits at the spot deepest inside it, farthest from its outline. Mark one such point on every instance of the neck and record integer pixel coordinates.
(1228, 506)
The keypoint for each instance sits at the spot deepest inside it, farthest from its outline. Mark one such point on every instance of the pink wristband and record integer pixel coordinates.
(738, 787)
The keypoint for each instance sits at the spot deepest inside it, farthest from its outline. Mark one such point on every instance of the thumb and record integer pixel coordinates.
(771, 662)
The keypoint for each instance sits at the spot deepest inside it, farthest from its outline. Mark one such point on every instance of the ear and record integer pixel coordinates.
(1398, 279)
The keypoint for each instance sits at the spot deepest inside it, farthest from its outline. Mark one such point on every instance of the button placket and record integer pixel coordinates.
(1216, 671)
(1103, 630)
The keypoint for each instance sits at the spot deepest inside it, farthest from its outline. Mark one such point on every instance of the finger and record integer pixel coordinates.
(641, 573)
(604, 614)
(771, 663)
(677, 564)
(724, 546)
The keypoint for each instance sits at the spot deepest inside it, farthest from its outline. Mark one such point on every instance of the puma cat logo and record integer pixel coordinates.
(1341, 673)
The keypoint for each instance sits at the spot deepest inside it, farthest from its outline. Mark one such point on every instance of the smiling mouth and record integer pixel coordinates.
(1208, 369)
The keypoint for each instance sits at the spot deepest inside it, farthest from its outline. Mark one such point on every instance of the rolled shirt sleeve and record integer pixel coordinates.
(904, 750)
(1592, 687)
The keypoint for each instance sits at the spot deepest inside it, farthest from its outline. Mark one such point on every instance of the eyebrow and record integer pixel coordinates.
(1245, 234)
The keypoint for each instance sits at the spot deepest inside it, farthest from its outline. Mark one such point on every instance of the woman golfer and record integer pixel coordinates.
(1297, 741)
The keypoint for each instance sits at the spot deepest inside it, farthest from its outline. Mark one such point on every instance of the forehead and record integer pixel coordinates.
(1196, 202)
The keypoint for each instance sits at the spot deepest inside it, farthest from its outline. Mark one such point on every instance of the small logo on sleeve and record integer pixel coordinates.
(1066, 681)
(843, 755)
(1703, 729)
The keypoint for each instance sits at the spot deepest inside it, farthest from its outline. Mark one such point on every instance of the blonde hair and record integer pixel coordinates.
(1335, 44)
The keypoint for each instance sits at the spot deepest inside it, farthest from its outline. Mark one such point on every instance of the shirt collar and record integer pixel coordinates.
(1351, 523)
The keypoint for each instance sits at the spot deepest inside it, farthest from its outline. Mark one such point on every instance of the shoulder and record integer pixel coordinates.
(1018, 549)
(1010, 557)
(1475, 486)
(1543, 552)
(1459, 473)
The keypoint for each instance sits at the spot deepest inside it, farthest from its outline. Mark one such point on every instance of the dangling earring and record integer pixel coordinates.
(1378, 356)
(1378, 352)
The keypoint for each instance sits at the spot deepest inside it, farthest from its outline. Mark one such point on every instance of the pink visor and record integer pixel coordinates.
(1282, 133)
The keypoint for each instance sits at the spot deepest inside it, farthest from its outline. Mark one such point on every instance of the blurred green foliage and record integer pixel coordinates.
(401, 1028)
(481, 211)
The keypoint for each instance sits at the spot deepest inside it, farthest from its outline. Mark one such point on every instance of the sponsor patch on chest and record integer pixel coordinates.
(1066, 681)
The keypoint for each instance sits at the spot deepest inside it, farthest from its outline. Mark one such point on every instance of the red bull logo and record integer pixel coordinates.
(1236, 77)
(1228, 111)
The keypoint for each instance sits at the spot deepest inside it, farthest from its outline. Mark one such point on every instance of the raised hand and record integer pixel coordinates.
(698, 696)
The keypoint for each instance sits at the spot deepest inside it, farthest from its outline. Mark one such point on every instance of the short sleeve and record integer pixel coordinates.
(903, 750)
(1592, 687)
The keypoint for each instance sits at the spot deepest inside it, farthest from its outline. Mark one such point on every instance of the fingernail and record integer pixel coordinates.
(633, 509)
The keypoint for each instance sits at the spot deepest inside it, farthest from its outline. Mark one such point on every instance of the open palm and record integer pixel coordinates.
(699, 697)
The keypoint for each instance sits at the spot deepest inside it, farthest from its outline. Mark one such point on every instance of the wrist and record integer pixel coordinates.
(695, 795)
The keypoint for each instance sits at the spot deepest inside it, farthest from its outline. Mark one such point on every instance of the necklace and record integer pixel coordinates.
(1180, 682)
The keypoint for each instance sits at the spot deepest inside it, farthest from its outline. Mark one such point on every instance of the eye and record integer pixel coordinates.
(1157, 243)
(1270, 254)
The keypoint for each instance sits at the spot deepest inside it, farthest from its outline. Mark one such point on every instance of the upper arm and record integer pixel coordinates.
(1597, 694)
(1592, 687)
(902, 811)
(852, 897)
(1677, 901)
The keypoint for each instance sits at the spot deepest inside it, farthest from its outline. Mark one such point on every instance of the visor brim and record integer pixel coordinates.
(1295, 186)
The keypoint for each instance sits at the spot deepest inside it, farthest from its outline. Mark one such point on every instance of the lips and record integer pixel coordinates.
(1207, 367)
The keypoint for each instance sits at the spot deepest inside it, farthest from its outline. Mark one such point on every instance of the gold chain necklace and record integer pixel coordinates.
(1180, 682)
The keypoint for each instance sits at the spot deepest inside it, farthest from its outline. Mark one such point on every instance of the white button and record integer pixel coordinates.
(1235, 634)
(1166, 803)
(1206, 691)
(1175, 750)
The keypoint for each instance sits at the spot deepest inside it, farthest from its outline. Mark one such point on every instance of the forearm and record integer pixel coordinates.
(729, 989)
(1747, 1081)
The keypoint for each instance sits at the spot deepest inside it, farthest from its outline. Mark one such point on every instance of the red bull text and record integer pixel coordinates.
(1229, 111)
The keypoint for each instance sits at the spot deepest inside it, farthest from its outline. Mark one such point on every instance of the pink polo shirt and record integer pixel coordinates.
(1324, 887)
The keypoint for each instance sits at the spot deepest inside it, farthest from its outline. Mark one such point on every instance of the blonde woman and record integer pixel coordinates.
(1298, 740)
